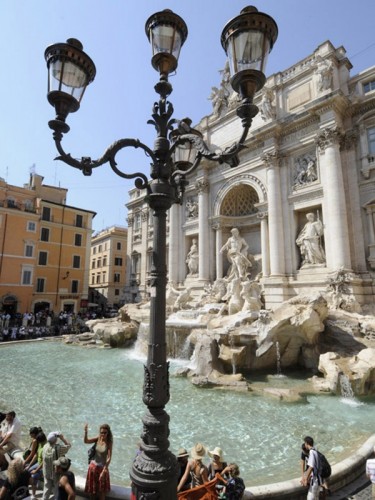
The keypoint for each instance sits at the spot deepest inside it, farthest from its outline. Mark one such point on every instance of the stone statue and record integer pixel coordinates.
(192, 258)
(220, 96)
(233, 296)
(325, 72)
(305, 170)
(267, 109)
(192, 209)
(236, 247)
(309, 241)
(251, 293)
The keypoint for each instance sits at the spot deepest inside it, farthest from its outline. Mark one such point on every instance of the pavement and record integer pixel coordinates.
(360, 489)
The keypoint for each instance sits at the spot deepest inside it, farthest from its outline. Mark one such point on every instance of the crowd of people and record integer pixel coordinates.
(45, 462)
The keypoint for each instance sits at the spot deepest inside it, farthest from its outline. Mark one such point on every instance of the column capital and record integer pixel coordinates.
(202, 185)
(130, 219)
(328, 137)
(262, 215)
(272, 158)
(349, 139)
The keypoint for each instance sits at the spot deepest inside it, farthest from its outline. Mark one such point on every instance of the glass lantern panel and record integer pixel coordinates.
(166, 39)
(248, 50)
(67, 77)
(185, 153)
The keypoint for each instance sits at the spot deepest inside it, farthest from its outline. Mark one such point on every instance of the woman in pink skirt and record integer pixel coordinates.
(97, 481)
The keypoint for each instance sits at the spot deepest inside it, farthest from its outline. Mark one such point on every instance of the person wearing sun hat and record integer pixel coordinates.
(195, 468)
(183, 461)
(66, 480)
(217, 464)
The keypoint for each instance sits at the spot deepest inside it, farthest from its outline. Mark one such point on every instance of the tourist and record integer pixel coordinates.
(304, 459)
(98, 480)
(10, 436)
(311, 478)
(370, 472)
(217, 463)
(235, 486)
(183, 461)
(30, 452)
(51, 451)
(35, 467)
(16, 485)
(195, 468)
(66, 487)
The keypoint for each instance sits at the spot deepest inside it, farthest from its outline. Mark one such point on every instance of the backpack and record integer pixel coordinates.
(324, 469)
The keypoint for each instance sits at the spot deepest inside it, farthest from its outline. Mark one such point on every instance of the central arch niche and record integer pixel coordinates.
(240, 201)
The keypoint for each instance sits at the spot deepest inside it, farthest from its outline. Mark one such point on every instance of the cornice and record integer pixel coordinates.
(306, 195)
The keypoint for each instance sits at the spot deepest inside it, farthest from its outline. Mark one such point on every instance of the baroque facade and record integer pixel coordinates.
(302, 196)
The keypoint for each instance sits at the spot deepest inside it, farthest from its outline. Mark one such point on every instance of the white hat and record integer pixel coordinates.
(52, 436)
(198, 451)
(216, 451)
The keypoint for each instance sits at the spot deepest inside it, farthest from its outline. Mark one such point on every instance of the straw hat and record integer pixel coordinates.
(216, 451)
(198, 451)
(182, 452)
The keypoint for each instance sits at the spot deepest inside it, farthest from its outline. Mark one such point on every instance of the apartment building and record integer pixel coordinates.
(44, 249)
(108, 268)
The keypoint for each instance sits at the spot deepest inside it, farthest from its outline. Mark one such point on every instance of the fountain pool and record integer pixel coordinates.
(61, 387)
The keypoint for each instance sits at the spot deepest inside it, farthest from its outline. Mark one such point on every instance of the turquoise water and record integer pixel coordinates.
(61, 387)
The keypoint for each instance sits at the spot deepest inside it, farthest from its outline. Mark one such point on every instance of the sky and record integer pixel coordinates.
(119, 102)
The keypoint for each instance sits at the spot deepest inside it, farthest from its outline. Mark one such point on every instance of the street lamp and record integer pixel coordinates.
(247, 39)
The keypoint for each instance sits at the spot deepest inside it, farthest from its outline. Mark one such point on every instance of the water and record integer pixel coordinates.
(61, 387)
(347, 392)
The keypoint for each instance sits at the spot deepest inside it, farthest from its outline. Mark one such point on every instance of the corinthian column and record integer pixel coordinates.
(265, 243)
(174, 251)
(335, 215)
(275, 215)
(218, 256)
(203, 243)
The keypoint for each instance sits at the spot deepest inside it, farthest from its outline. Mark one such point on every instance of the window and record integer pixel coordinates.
(99, 264)
(40, 284)
(76, 261)
(11, 202)
(137, 221)
(74, 288)
(78, 240)
(94, 250)
(98, 278)
(26, 276)
(117, 291)
(93, 279)
(29, 250)
(105, 246)
(46, 213)
(44, 234)
(118, 245)
(79, 220)
(93, 264)
(105, 260)
(29, 206)
(371, 140)
(104, 277)
(100, 249)
(31, 226)
(116, 277)
(118, 261)
(42, 261)
(367, 87)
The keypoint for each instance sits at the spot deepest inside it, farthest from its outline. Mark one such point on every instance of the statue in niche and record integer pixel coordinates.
(192, 258)
(236, 248)
(305, 170)
(192, 209)
(325, 73)
(309, 241)
(267, 109)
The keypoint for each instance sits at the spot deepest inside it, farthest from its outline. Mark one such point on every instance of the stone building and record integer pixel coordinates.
(44, 249)
(302, 196)
(108, 267)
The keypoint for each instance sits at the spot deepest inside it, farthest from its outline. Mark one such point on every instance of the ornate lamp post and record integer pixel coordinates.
(247, 39)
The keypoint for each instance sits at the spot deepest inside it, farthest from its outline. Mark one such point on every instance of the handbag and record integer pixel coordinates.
(91, 452)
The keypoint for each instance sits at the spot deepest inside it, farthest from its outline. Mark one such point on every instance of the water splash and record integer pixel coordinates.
(347, 393)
